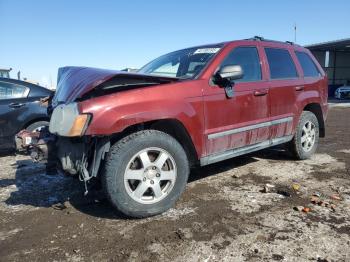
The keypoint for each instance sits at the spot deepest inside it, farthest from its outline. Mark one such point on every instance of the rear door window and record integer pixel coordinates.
(308, 66)
(281, 63)
(12, 91)
(248, 59)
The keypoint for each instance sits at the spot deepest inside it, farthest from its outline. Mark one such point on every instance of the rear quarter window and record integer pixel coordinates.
(308, 66)
(281, 63)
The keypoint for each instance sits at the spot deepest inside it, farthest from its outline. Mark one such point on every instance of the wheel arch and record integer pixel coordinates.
(34, 120)
(317, 110)
(172, 127)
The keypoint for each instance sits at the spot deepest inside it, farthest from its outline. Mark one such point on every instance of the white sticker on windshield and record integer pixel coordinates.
(207, 50)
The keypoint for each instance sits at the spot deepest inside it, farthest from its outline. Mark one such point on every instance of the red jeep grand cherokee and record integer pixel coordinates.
(141, 132)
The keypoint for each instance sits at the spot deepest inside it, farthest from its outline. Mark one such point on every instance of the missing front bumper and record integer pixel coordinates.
(75, 156)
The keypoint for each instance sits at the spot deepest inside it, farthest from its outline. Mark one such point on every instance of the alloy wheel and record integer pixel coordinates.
(150, 175)
(308, 136)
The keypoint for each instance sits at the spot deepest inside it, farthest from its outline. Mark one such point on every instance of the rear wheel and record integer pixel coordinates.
(145, 173)
(306, 138)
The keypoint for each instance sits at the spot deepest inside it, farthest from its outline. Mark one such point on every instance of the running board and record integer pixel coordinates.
(243, 150)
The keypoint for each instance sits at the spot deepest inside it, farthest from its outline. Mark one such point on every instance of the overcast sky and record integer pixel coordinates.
(39, 36)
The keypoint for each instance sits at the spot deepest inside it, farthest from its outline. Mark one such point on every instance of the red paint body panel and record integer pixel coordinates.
(203, 107)
(180, 101)
(244, 109)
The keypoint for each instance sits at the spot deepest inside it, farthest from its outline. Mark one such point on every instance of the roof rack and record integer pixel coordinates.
(260, 38)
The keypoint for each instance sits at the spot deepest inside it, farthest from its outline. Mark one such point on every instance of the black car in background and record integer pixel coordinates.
(20, 108)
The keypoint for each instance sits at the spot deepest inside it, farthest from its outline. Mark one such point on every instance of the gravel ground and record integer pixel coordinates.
(237, 210)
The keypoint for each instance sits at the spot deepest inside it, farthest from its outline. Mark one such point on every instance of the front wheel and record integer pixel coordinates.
(145, 173)
(306, 137)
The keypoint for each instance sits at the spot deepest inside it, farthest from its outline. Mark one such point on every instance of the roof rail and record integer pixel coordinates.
(260, 38)
(256, 38)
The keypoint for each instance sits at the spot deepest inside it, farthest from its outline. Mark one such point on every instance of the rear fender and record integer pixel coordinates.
(311, 100)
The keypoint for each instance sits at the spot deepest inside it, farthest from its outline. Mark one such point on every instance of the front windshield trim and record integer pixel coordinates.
(186, 77)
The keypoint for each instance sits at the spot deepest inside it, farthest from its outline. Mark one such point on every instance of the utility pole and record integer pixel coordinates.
(295, 32)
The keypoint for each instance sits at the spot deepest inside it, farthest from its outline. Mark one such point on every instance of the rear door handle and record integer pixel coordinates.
(299, 88)
(260, 92)
(16, 105)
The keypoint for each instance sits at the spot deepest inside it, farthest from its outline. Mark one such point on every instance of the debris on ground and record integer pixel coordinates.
(268, 188)
(283, 193)
(306, 209)
(296, 187)
(336, 197)
(324, 201)
(302, 209)
(280, 190)
(298, 208)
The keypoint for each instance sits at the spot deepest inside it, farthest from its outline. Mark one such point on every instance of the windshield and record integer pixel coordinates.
(186, 63)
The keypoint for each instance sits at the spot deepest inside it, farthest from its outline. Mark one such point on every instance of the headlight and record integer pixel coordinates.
(67, 121)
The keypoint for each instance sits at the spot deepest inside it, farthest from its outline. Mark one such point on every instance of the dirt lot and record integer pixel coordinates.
(224, 214)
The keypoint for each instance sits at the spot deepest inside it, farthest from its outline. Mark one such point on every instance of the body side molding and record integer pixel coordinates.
(243, 150)
(251, 127)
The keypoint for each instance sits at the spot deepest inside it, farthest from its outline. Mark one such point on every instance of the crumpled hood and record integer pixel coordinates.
(73, 82)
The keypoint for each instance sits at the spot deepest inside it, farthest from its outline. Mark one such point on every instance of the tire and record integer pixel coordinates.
(299, 146)
(128, 156)
(37, 125)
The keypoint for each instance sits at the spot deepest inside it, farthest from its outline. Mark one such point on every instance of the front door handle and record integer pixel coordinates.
(299, 88)
(16, 105)
(260, 92)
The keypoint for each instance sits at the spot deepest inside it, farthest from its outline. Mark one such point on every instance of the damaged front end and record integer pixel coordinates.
(64, 143)
(80, 156)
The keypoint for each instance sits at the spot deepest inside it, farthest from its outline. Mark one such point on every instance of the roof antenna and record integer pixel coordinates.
(295, 32)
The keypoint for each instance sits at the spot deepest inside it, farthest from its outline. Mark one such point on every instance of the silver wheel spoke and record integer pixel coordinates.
(134, 174)
(305, 129)
(168, 175)
(157, 190)
(145, 159)
(313, 133)
(303, 139)
(140, 190)
(161, 160)
(308, 136)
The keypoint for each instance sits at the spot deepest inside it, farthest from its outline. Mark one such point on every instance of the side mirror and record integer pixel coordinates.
(230, 72)
(225, 75)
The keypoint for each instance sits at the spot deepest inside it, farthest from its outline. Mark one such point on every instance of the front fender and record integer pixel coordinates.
(108, 120)
(114, 113)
